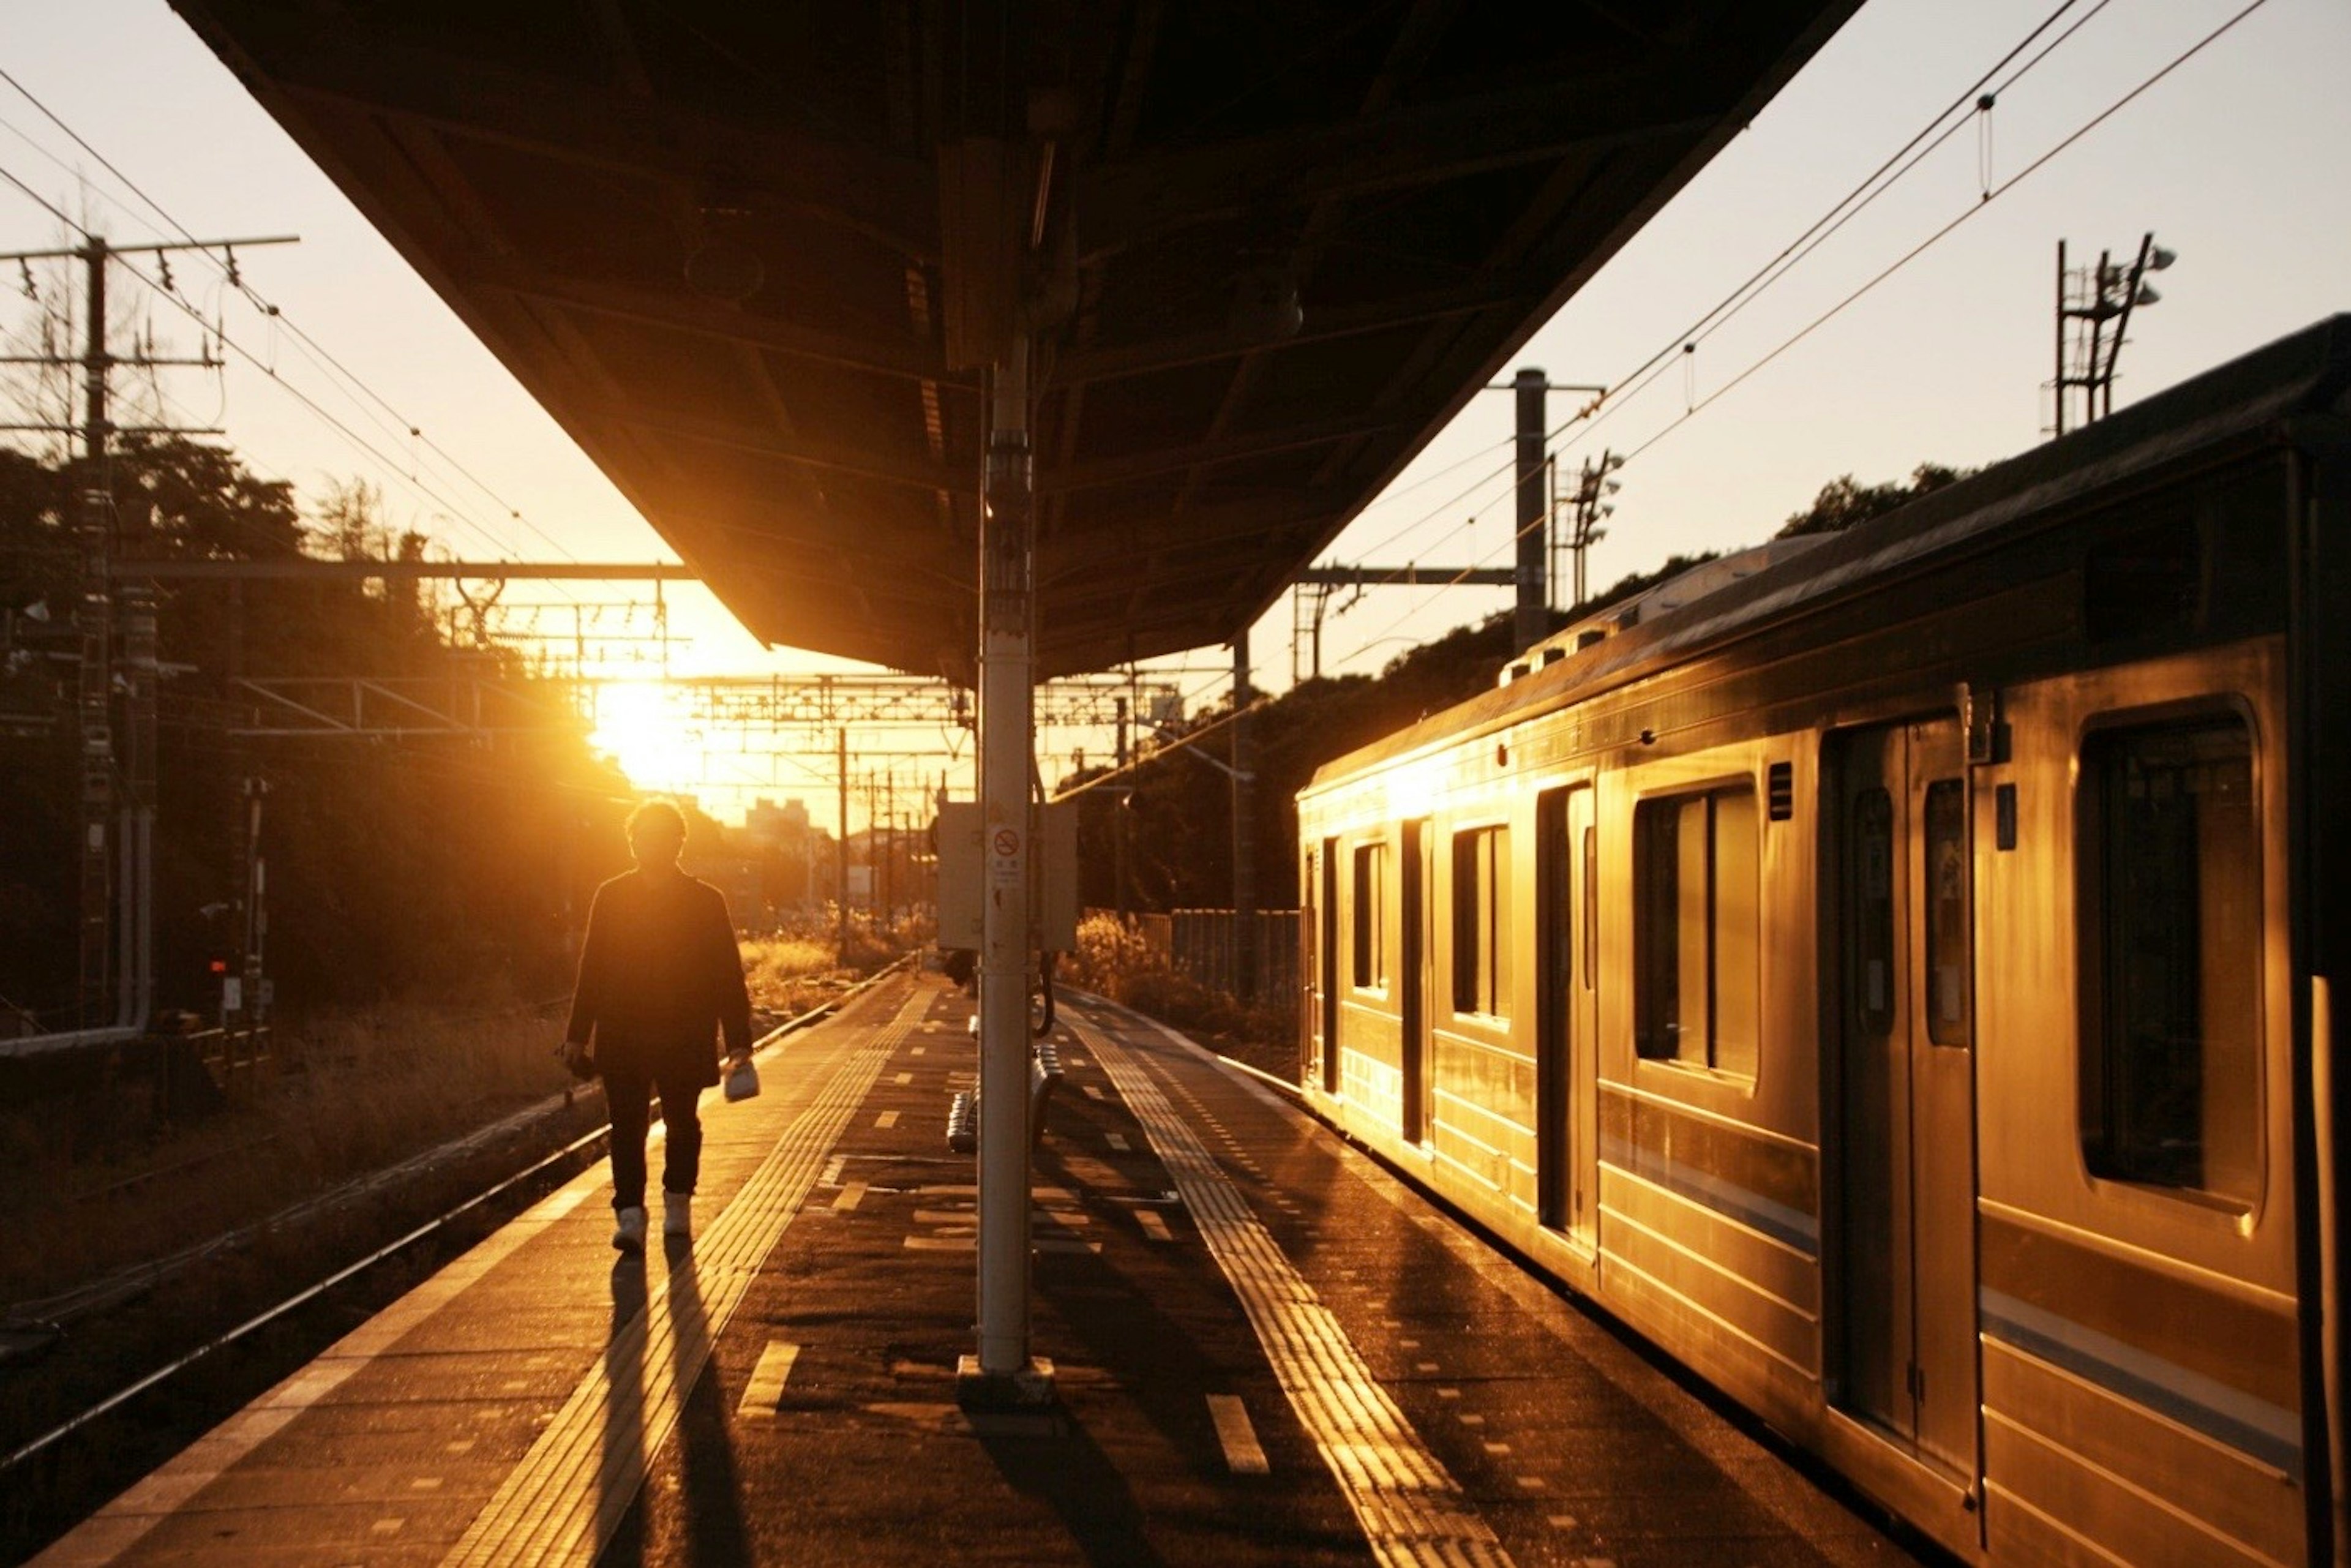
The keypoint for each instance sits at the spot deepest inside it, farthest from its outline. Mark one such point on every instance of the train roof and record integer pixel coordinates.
(2246, 402)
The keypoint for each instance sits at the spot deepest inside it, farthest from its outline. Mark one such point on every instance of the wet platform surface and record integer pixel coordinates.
(1267, 1350)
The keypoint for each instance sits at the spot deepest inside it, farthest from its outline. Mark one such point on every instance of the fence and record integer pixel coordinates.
(1201, 945)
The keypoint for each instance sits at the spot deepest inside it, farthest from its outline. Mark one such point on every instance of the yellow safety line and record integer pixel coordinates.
(1411, 1509)
(563, 1502)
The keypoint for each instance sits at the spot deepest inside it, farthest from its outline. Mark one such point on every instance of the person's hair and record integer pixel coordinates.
(657, 815)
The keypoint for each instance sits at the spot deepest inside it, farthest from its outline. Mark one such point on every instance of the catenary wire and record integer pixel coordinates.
(1882, 178)
(1814, 241)
(293, 329)
(391, 468)
(1923, 246)
(1879, 181)
(1656, 366)
(334, 369)
(1765, 275)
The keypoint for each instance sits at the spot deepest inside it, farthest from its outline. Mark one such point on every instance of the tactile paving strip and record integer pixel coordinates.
(565, 1501)
(1412, 1510)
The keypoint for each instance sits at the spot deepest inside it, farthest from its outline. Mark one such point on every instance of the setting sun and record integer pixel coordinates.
(641, 725)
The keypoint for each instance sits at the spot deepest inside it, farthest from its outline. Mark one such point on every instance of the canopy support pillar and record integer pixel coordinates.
(1003, 1373)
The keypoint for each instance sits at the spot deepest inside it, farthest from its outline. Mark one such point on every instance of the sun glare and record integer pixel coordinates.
(641, 727)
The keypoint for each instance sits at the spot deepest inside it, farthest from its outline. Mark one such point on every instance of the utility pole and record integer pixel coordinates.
(118, 824)
(889, 843)
(841, 853)
(96, 691)
(1244, 829)
(1119, 810)
(1533, 536)
(255, 933)
(2088, 300)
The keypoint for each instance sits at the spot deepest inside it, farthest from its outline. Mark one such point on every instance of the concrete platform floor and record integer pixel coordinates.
(1267, 1350)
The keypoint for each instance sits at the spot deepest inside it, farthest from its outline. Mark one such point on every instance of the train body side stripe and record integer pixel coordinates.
(2218, 1337)
(1753, 1210)
(1765, 1185)
(2254, 1426)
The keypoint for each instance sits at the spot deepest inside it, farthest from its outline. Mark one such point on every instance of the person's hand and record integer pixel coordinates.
(579, 1059)
(737, 1057)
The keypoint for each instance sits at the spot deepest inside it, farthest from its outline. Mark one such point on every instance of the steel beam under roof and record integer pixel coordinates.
(751, 256)
(310, 569)
(395, 706)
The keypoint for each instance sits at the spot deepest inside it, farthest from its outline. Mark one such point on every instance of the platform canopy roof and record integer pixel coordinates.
(755, 258)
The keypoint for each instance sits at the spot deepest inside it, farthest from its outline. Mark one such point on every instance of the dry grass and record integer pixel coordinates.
(804, 965)
(377, 1086)
(774, 962)
(351, 1094)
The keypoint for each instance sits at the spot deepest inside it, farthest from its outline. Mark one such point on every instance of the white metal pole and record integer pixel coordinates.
(1007, 732)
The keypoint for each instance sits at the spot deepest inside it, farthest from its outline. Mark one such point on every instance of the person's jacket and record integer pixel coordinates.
(658, 975)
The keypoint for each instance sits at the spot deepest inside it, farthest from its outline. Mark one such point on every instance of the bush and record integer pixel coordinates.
(802, 963)
(1110, 953)
(1113, 960)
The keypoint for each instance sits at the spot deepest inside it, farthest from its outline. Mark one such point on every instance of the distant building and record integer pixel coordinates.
(791, 863)
(768, 823)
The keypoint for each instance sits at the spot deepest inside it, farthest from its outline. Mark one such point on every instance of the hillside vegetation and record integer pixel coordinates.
(1179, 806)
(435, 865)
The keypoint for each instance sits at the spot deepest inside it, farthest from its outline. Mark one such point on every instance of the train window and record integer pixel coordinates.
(1371, 903)
(1697, 918)
(1948, 966)
(1481, 919)
(2172, 962)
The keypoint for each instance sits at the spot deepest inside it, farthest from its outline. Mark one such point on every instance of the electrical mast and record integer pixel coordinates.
(117, 764)
(2094, 312)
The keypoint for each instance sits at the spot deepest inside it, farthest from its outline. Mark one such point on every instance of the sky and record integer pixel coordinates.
(2233, 160)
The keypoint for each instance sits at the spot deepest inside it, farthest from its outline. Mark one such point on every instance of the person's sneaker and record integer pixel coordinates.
(629, 1234)
(677, 1214)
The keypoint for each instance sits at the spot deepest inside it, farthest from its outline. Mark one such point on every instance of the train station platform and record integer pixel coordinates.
(1266, 1350)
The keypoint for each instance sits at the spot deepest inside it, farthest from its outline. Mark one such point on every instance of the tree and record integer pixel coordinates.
(1181, 808)
(191, 498)
(1841, 502)
(440, 862)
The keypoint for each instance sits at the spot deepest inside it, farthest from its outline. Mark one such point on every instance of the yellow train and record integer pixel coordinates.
(1895, 981)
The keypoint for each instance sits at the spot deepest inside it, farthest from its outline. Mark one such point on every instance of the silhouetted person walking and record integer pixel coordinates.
(659, 976)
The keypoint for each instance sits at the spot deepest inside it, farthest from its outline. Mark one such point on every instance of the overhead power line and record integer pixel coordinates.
(1656, 365)
(1920, 250)
(1881, 179)
(1873, 185)
(394, 469)
(226, 266)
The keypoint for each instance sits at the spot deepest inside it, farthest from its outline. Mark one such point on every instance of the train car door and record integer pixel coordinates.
(1326, 972)
(1309, 966)
(1414, 977)
(1903, 1275)
(1566, 1019)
